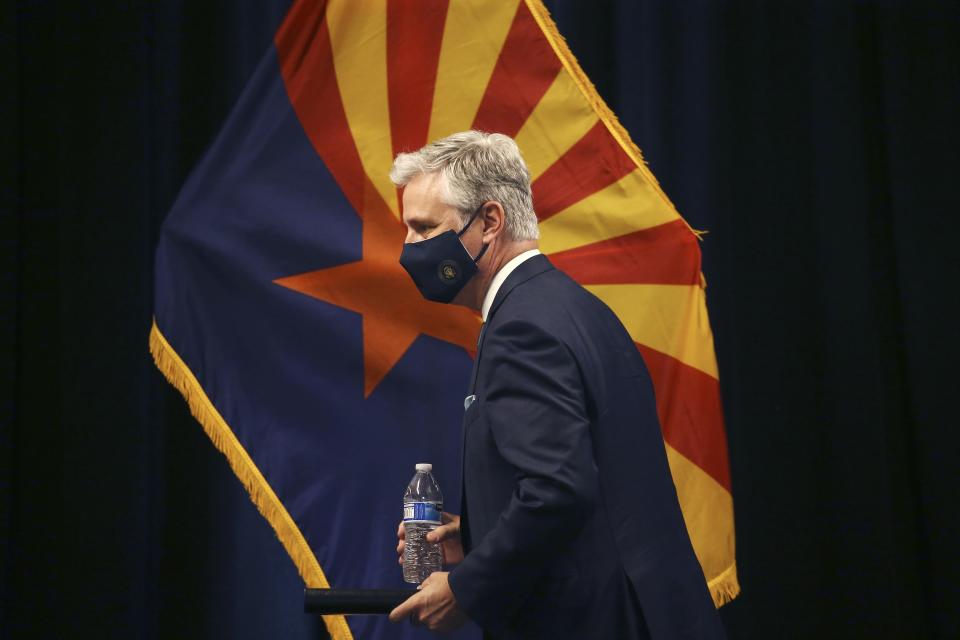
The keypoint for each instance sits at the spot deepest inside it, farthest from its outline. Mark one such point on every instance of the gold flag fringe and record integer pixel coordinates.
(723, 587)
(261, 494)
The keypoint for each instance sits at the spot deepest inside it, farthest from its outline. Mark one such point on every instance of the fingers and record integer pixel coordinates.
(444, 532)
(401, 532)
(435, 607)
(406, 608)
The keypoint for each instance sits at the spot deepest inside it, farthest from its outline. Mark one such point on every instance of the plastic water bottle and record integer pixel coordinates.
(422, 504)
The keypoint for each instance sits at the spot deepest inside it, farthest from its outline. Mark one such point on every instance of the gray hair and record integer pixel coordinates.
(477, 167)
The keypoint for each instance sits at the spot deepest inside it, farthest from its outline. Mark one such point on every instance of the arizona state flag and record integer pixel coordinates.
(303, 348)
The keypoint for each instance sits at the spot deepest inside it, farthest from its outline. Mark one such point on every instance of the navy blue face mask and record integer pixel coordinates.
(441, 266)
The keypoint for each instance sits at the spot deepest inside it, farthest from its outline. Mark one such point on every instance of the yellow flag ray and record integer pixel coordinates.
(560, 119)
(473, 35)
(707, 509)
(629, 204)
(358, 32)
(670, 318)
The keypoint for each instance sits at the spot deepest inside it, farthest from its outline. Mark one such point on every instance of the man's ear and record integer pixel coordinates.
(494, 220)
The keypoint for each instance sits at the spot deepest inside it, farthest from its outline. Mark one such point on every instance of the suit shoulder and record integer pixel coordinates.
(555, 302)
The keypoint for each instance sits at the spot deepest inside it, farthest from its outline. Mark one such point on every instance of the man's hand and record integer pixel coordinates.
(447, 534)
(433, 606)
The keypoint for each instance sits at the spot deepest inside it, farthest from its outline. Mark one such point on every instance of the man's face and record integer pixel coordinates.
(424, 212)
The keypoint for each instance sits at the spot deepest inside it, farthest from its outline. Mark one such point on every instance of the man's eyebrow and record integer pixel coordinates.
(414, 219)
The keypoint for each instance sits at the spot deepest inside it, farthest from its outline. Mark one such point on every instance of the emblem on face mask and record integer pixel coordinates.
(448, 271)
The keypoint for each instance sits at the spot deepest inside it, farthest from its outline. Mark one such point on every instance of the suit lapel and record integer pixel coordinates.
(476, 360)
(526, 270)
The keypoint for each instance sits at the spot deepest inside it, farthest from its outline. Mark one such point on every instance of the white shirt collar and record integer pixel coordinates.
(498, 279)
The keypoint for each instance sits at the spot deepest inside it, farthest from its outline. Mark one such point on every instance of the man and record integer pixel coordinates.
(570, 526)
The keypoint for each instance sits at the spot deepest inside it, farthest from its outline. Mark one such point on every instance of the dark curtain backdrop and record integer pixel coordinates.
(814, 140)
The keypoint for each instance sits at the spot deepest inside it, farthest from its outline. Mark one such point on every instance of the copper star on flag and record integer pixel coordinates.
(394, 312)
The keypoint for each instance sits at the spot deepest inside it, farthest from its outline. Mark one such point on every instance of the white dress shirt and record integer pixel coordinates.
(498, 279)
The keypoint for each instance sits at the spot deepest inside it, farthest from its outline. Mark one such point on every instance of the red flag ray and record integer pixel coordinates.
(594, 162)
(526, 68)
(688, 404)
(413, 52)
(665, 254)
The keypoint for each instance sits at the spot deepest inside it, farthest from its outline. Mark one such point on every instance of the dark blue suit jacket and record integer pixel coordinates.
(570, 519)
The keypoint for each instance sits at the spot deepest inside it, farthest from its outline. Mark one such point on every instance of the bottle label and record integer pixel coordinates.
(421, 512)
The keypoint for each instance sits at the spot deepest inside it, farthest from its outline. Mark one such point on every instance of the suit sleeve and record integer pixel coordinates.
(536, 410)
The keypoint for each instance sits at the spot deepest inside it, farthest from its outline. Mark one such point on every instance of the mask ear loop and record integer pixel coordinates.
(482, 251)
(470, 221)
(467, 226)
